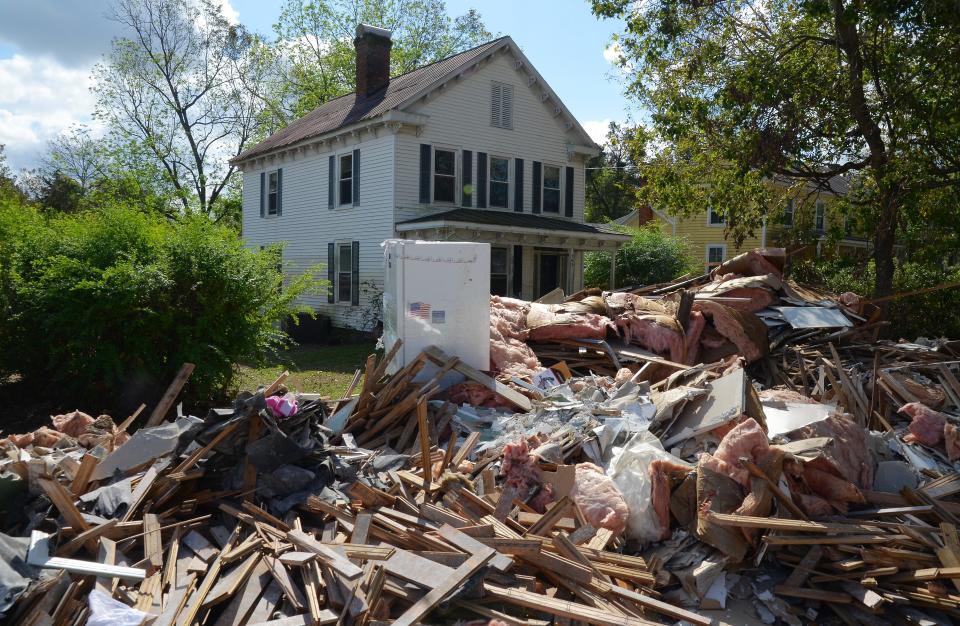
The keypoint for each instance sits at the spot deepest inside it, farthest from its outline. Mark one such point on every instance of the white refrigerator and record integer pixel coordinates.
(437, 293)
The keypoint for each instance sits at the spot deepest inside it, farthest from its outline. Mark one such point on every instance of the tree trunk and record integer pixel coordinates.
(884, 241)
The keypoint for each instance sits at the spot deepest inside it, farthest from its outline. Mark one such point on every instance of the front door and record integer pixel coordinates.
(551, 272)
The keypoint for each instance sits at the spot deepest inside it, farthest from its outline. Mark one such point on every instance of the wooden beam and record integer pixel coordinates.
(170, 395)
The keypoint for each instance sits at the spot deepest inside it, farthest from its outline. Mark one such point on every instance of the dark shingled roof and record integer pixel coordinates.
(350, 109)
(515, 220)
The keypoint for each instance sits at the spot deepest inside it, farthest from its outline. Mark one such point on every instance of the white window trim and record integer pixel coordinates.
(456, 175)
(543, 188)
(820, 204)
(339, 204)
(710, 223)
(706, 256)
(266, 200)
(510, 182)
(337, 245)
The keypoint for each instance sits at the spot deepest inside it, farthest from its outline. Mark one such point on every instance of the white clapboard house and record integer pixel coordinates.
(475, 147)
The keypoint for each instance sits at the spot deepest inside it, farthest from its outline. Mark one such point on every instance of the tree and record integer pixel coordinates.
(650, 257)
(613, 181)
(313, 59)
(743, 91)
(77, 155)
(175, 87)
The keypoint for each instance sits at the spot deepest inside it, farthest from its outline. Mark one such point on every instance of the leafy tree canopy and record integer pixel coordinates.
(743, 92)
(613, 181)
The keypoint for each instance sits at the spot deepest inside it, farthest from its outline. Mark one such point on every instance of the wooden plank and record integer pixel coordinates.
(290, 590)
(424, 436)
(170, 395)
(422, 607)
(83, 538)
(468, 544)
(548, 520)
(325, 617)
(663, 608)
(416, 569)
(813, 594)
(561, 608)
(339, 563)
(439, 357)
(81, 480)
(200, 546)
(152, 543)
(803, 569)
(107, 556)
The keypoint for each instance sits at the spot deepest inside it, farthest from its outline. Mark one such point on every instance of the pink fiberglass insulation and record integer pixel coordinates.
(661, 471)
(812, 505)
(926, 425)
(847, 454)
(746, 439)
(509, 354)
(691, 338)
(523, 474)
(557, 321)
(625, 302)
(747, 332)
(831, 488)
(952, 439)
(751, 263)
(476, 394)
(659, 333)
(598, 498)
(757, 298)
(785, 395)
(73, 424)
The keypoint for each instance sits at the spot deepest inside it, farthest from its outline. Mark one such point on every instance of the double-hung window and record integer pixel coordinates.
(551, 189)
(714, 218)
(344, 272)
(788, 214)
(819, 217)
(715, 254)
(444, 175)
(346, 179)
(499, 182)
(498, 270)
(273, 189)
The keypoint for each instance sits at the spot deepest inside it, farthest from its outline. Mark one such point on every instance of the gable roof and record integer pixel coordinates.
(400, 92)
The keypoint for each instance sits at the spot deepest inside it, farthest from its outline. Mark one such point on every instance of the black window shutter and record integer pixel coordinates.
(331, 184)
(518, 185)
(331, 271)
(467, 176)
(568, 193)
(425, 159)
(355, 273)
(280, 191)
(481, 180)
(263, 192)
(517, 271)
(356, 177)
(536, 186)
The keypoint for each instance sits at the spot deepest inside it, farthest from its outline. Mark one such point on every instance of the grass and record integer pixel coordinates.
(327, 370)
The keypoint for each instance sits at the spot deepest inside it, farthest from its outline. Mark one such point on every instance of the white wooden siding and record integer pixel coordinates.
(459, 117)
(307, 225)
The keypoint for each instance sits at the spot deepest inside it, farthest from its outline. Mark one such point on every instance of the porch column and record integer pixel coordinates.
(613, 268)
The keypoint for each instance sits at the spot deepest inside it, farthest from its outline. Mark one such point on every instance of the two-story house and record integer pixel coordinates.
(475, 147)
(808, 217)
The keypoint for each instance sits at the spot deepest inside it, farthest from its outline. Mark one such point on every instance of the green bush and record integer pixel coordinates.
(103, 298)
(650, 257)
(927, 315)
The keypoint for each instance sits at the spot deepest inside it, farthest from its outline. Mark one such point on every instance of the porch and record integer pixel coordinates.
(530, 255)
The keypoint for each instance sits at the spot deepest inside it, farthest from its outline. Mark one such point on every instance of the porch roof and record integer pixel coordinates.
(506, 221)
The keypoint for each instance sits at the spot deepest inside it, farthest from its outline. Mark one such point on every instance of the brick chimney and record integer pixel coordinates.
(373, 59)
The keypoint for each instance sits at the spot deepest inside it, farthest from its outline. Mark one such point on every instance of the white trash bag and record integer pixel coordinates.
(630, 471)
(105, 611)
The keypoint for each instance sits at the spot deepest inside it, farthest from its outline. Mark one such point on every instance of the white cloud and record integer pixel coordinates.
(611, 53)
(229, 13)
(41, 98)
(597, 129)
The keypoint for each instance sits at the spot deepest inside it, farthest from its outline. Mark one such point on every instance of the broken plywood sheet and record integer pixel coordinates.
(724, 402)
(784, 417)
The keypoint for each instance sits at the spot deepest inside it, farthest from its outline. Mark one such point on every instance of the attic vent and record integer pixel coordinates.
(501, 105)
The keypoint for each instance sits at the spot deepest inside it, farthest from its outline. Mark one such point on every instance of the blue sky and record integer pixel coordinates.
(47, 48)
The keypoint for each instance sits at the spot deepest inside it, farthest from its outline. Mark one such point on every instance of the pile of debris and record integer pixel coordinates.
(731, 447)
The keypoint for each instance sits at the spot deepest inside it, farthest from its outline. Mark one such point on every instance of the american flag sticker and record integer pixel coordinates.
(420, 309)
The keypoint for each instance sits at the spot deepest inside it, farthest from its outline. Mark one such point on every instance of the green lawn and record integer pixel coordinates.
(317, 369)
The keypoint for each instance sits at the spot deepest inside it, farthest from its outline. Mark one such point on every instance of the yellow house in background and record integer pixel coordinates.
(705, 233)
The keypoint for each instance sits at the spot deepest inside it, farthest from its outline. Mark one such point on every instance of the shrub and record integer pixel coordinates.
(105, 298)
(650, 257)
(931, 315)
